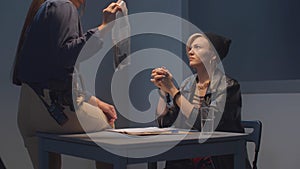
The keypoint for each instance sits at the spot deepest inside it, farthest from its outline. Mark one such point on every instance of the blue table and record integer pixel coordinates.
(121, 149)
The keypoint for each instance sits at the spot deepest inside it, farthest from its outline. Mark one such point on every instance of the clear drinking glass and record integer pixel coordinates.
(207, 120)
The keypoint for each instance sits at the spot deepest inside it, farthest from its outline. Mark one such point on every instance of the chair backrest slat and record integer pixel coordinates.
(254, 136)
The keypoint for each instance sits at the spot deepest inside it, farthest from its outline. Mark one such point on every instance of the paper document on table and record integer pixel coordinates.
(150, 131)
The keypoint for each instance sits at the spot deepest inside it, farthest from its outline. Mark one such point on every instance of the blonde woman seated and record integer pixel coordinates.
(208, 87)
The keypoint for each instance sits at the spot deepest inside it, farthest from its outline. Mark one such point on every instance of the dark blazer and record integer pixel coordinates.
(52, 44)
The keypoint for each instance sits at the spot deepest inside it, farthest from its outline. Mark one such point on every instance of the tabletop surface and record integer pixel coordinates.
(125, 149)
(119, 140)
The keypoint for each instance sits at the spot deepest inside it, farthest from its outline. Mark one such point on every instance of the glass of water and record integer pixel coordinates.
(207, 120)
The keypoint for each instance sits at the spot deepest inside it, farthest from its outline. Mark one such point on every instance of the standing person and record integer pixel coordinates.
(203, 89)
(48, 48)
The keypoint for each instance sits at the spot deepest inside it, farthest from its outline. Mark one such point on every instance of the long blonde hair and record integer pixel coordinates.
(34, 7)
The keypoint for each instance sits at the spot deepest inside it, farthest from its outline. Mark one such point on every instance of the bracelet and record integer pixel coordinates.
(176, 96)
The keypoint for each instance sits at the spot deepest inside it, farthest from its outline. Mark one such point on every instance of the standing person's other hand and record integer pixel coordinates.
(108, 110)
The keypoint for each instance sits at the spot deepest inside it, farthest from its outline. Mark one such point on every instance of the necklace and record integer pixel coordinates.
(203, 85)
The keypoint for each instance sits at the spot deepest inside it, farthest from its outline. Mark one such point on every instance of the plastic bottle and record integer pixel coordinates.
(121, 37)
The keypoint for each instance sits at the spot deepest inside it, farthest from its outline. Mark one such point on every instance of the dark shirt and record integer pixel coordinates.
(229, 115)
(52, 43)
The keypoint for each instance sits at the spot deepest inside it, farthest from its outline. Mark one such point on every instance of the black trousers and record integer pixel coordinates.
(187, 164)
(180, 164)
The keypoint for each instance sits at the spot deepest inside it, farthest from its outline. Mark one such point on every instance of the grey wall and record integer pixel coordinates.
(279, 113)
(265, 42)
(140, 86)
(250, 23)
(11, 147)
(265, 35)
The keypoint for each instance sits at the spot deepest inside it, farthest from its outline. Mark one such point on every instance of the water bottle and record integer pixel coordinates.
(120, 37)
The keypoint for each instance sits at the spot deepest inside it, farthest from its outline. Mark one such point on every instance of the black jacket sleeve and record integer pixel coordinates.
(66, 32)
(231, 118)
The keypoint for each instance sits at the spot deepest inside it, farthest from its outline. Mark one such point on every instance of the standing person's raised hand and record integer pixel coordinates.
(109, 13)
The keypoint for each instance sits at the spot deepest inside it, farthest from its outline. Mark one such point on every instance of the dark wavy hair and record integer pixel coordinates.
(34, 7)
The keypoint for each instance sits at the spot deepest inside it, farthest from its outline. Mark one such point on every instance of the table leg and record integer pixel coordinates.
(120, 164)
(152, 165)
(43, 159)
(240, 155)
